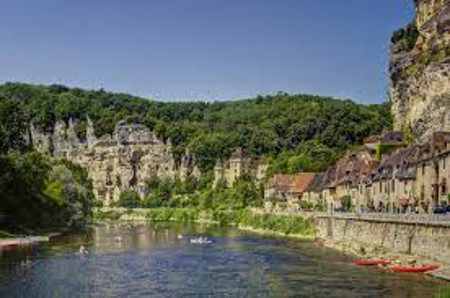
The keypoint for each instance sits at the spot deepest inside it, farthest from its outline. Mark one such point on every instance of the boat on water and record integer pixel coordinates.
(416, 269)
(398, 267)
(200, 240)
(373, 262)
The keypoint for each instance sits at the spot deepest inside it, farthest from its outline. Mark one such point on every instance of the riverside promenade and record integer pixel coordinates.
(406, 218)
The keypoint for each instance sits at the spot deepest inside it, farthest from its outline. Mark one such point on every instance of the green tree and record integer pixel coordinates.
(129, 199)
(12, 126)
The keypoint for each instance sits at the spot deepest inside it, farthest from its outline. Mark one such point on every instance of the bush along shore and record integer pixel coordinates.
(243, 218)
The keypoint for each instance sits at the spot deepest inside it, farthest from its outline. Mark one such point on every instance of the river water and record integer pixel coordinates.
(151, 261)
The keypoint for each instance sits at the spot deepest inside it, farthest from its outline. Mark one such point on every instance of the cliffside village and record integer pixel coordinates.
(384, 175)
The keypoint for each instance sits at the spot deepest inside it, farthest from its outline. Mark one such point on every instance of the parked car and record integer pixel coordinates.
(308, 210)
(441, 210)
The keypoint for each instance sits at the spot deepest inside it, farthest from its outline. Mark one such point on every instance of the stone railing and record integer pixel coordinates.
(410, 218)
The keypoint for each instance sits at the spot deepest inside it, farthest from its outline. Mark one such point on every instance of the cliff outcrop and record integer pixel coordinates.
(420, 71)
(128, 159)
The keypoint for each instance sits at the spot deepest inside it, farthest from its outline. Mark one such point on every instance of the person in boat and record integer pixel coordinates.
(82, 250)
(27, 262)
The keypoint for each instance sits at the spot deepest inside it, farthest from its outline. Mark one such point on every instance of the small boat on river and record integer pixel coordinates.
(200, 240)
(416, 269)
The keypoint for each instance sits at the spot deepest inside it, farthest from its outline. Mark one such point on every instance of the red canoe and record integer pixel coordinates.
(415, 268)
(373, 262)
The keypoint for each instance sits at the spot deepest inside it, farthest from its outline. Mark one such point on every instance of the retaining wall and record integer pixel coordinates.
(431, 240)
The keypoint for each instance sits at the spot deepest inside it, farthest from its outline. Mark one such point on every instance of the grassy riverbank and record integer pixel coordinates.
(6, 235)
(245, 218)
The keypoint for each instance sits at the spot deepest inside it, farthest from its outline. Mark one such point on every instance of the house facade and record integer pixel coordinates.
(383, 175)
(285, 192)
(227, 172)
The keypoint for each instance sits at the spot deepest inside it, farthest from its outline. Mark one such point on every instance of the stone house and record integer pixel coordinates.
(329, 188)
(392, 183)
(364, 195)
(411, 177)
(284, 192)
(433, 171)
(238, 165)
(357, 179)
(393, 139)
(350, 170)
(378, 196)
(403, 175)
(313, 194)
(259, 169)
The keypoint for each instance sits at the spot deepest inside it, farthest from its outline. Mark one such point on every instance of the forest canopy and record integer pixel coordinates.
(295, 132)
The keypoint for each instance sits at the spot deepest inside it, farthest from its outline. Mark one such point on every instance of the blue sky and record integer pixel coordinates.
(203, 49)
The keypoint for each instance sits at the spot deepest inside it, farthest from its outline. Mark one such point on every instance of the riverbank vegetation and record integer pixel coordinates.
(5, 234)
(287, 225)
(37, 192)
(196, 193)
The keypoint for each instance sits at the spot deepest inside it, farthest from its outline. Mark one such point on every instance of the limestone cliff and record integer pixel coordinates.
(128, 159)
(420, 70)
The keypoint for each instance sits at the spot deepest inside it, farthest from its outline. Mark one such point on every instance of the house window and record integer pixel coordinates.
(404, 187)
(381, 188)
(423, 169)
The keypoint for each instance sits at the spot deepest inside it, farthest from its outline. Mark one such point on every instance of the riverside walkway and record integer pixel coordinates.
(405, 218)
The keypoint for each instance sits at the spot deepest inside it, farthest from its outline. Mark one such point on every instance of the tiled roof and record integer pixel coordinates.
(392, 137)
(301, 182)
(330, 174)
(260, 161)
(318, 183)
(296, 183)
(353, 168)
(387, 138)
(239, 153)
(402, 161)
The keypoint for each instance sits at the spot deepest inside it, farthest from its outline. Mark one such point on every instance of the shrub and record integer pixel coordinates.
(306, 205)
(160, 214)
(168, 214)
(129, 199)
(5, 234)
(55, 192)
(406, 38)
(346, 202)
(112, 215)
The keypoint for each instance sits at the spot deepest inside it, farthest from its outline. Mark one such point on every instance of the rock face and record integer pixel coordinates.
(128, 159)
(420, 71)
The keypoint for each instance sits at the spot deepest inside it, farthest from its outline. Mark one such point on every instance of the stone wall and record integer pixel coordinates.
(128, 159)
(427, 240)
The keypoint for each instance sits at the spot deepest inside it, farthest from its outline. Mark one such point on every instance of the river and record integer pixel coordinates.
(151, 261)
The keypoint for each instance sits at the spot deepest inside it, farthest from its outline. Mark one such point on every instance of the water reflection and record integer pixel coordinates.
(152, 260)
